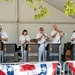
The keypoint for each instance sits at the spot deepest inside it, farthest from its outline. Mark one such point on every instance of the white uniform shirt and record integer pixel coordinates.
(73, 36)
(22, 38)
(57, 38)
(42, 40)
(4, 35)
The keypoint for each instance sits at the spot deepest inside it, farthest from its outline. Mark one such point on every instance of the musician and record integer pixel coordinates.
(41, 37)
(22, 39)
(57, 35)
(73, 37)
(4, 39)
(3, 35)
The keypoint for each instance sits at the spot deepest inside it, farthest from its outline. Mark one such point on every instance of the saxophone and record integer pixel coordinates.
(24, 45)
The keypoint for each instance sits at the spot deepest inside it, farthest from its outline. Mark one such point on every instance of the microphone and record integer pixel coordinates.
(64, 33)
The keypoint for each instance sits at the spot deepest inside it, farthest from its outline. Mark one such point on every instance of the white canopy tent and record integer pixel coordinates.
(16, 16)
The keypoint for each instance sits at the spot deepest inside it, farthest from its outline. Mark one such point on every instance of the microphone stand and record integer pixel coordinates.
(44, 57)
(60, 48)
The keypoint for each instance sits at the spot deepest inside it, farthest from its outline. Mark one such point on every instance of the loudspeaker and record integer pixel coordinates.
(53, 52)
(1, 45)
(73, 52)
(9, 52)
(32, 53)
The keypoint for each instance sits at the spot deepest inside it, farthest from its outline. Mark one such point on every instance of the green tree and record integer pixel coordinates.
(40, 10)
(69, 8)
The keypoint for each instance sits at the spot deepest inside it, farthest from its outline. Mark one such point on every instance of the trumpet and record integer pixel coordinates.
(45, 36)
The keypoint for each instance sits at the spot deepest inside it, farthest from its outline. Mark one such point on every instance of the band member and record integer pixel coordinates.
(3, 35)
(41, 37)
(22, 39)
(57, 35)
(73, 37)
(4, 39)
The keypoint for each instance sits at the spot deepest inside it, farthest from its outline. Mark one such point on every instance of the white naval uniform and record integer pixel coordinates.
(73, 36)
(3, 35)
(56, 40)
(22, 39)
(41, 49)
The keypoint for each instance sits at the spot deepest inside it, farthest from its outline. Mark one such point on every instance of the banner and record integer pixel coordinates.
(72, 66)
(29, 69)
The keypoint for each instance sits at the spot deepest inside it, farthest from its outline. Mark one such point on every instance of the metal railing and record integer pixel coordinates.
(66, 68)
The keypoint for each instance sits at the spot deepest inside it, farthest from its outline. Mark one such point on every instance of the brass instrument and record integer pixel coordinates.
(68, 54)
(24, 45)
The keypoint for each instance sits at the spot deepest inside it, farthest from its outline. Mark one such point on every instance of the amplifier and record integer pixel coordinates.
(73, 52)
(53, 52)
(32, 53)
(9, 52)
